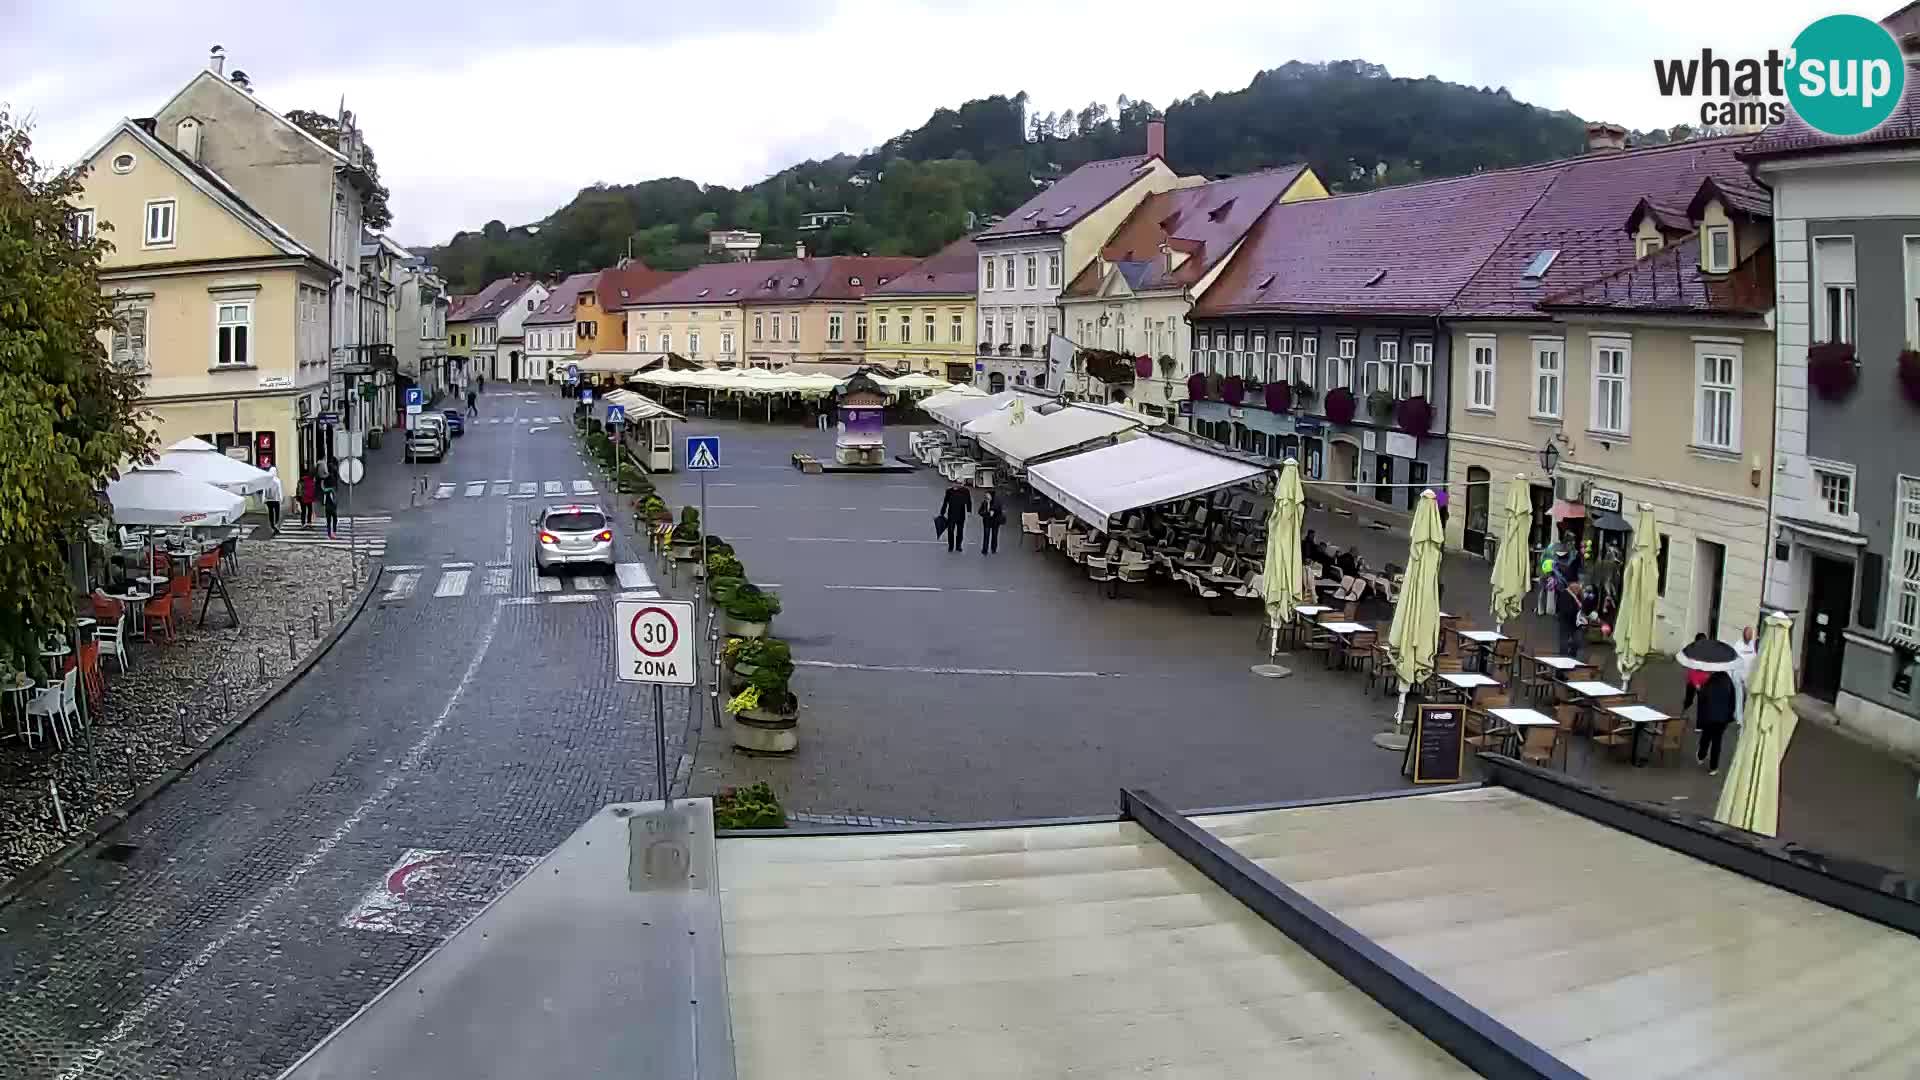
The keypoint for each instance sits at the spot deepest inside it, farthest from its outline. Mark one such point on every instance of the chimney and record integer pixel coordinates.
(1605, 138)
(1157, 138)
(217, 60)
(799, 249)
(240, 80)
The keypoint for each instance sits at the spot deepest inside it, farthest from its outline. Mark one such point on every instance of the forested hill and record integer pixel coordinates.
(1357, 125)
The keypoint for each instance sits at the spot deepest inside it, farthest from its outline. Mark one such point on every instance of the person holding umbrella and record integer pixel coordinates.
(1712, 697)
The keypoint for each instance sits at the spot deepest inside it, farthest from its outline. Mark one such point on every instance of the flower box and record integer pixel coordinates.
(1340, 405)
(1232, 390)
(1380, 404)
(1279, 397)
(1197, 387)
(1833, 369)
(1415, 416)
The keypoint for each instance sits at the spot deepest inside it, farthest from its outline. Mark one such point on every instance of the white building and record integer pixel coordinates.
(553, 330)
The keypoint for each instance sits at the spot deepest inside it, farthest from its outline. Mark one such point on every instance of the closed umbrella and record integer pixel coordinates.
(1750, 799)
(1415, 635)
(1512, 572)
(1280, 579)
(1639, 584)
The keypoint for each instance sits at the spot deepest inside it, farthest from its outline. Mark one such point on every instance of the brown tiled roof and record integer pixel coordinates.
(1741, 199)
(1670, 281)
(494, 300)
(838, 277)
(1794, 136)
(1070, 199)
(455, 303)
(622, 285)
(1205, 221)
(557, 308)
(953, 270)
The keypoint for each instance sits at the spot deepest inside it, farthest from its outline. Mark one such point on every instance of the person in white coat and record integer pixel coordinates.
(273, 496)
(1745, 650)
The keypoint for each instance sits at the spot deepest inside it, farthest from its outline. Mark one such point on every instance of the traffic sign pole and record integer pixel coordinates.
(660, 744)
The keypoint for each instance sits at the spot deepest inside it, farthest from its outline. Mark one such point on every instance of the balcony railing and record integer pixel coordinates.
(363, 359)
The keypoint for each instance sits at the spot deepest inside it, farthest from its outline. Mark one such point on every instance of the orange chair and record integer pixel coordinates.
(180, 590)
(106, 608)
(158, 615)
(90, 672)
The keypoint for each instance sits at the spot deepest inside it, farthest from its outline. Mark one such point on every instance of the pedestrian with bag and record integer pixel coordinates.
(954, 507)
(1713, 705)
(992, 516)
(273, 496)
(330, 502)
(309, 491)
(1747, 651)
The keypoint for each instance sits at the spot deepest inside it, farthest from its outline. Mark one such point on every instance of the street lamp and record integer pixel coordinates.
(1549, 457)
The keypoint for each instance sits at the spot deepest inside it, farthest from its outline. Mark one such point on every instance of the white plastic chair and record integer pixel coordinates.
(54, 703)
(113, 639)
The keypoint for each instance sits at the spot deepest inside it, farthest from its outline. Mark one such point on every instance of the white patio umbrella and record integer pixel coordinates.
(166, 497)
(210, 466)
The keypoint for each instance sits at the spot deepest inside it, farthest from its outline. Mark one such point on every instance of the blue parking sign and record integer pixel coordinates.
(414, 396)
(703, 452)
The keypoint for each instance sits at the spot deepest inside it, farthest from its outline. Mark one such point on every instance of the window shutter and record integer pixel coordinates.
(1873, 573)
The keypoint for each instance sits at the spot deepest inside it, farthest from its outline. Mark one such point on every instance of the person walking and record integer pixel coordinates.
(992, 516)
(472, 409)
(1713, 704)
(482, 382)
(954, 507)
(309, 490)
(1566, 614)
(273, 496)
(330, 502)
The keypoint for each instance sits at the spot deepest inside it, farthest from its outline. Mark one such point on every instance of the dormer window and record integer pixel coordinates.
(773, 283)
(1717, 249)
(732, 292)
(1644, 246)
(883, 280)
(794, 284)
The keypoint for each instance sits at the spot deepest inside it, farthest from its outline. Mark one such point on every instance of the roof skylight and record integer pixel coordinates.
(1541, 263)
(1064, 211)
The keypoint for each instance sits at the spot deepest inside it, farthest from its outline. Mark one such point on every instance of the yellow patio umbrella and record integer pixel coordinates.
(1639, 585)
(1280, 579)
(1415, 635)
(1750, 799)
(1512, 568)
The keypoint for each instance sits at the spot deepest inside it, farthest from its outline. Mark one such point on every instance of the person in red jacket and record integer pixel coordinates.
(307, 493)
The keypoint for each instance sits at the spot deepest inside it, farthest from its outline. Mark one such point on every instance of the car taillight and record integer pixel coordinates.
(605, 535)
(549, 538)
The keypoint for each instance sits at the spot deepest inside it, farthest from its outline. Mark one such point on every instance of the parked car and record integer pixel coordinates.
(456, 422)
(571, 535)
(427, 438)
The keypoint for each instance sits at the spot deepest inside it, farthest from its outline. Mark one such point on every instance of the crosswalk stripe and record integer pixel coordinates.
(589, 583)
(639, 594)
(632, 575)
(499, 580)
(453, 583)
(543, 583)
(583, 487)
(444, 491)
(570, 598)
(528, 487)
(476, 488)
(552, 487)
(501, 487)
(402, 586)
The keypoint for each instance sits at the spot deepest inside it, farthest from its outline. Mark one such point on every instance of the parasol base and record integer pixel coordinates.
(1391, 740)
(1271, 671)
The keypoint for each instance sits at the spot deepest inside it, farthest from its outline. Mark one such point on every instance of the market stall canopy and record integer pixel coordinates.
(956, 393)
(638, 406)
(1140, 472)
(620, 363)
(914, 380)
(166, 497)
(191, 443)
(210, 466)
(1043, 434)
(956, 414)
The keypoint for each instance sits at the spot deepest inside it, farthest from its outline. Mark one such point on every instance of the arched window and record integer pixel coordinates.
(996, 382)
(1479, 491)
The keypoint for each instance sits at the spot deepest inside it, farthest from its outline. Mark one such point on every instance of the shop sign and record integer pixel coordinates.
(1400, 444)
(1236, 414)
(1308, 425)
(276, 382)
(306, 405)
(1603, 499)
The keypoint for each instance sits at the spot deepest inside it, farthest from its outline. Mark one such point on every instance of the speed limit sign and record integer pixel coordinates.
(653, 641)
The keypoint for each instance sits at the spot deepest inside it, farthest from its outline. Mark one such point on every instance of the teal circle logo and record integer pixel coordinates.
(1847, 75)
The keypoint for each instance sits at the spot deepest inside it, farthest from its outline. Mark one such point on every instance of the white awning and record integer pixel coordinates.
(216, 468)
(1140, 472)
(638, 406)
(164, 497)
(956, 414)
(1042, 434)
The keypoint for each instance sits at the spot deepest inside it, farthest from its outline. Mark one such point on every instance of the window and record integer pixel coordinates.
(1053, 269)
(1612, 383)
(989, 272)
(123, 163)
(906, 328)
(880, 329)
(1053, 323)
(1833, 270)
(81, 222)
(1028, 338)
(130, 340)
(927, 324)
(666, 341)
(1416, 377)
(1833, 491)
(693, 343)
(759, 328)
(1259, 343)
(1033, 271)
(1660, 567)
(1306, 364)
(1480, 373)
(233, 325)
(1239, 343)
(1547, 366)
(1006, 269)
(1717, 402)
(1644, 246)
(726, 343)
(1719, 249)
(860, 328)
(1380, 370)
(987, 328)
(160, 223)
(1120, 339)
(1340, 365)
(793, 327)
(1903, 584)
(835, 326)
(956, 330)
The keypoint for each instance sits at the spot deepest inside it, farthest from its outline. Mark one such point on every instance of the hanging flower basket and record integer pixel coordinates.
(1302, 393)
(1340, 405)
(1143, 367)
(1832, 369)
(1232, 390)
(1380, 404)
(1168, 365)
(1907, 370)
(1197, 387)
(1279, 397)
(1415, 416)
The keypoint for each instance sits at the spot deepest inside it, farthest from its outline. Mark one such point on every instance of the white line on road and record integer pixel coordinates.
(552, 487)
(403, 567)
(136, 1017)
(528, 487)
(589, 583)
(476, 487)
(501, 487)
(532, 430)
(500, 562)
(886, 588)
(733, 506)
(639, 594)
(583, 487)
(959, 670)
(402, 586)
(456, 566)
(903, 510)
(632, 575)
(444, 491)
(521, 601)
(453, 583)
(499, 580)
(572, 598)
(543, 583)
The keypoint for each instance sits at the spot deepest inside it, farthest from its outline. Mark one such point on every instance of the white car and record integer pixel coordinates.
(572, 535)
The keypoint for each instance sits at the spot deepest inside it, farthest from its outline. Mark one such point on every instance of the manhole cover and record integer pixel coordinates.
(119, 853)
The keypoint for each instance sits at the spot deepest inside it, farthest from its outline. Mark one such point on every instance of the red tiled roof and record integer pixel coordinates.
(494, 300)
(778, 280)
(1794, 136)
(1205, 221)
(455, 303)
(1070, 199)
(558, 306)
(954, 269)
(1580, 214)
(1670, 281)
(622, 285)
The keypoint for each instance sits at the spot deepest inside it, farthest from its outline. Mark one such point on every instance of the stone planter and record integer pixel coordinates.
(736, 628)
(738, 677)
(765, 731)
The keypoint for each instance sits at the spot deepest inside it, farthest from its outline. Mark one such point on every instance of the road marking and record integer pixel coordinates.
(553, 419)
(499, 580)
(589, 583)
(837, 666)
(402, 587)
(444, 491)
(400, 568)
(632, 575)
(500, 562)
(501, 487)
(453, 583)
(978, 590)
(639, 594)
(571, 598)
(491, 420)
(848, 540)
(528, 487)
(543, 583)
(531, 430)
(137, 1017)
(477, 487)
(733, 506)
(521, 601)
(583, 487)
(886, 588)
(456, 566)
(902, 510)
(551, 487)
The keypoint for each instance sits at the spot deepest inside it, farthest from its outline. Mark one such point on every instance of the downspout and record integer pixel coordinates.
(1769, 542)
(1446, 439)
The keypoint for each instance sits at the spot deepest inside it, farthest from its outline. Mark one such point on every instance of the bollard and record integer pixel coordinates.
(292, 655)
(59, 814)
(261, 653)
(313, 621)
(330, 607)
(183, 725)
(131, 786)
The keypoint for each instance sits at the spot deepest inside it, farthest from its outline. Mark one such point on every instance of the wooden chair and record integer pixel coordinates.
(1606, 729)
(1486, 731)
(1536, 679)
(1538, 746)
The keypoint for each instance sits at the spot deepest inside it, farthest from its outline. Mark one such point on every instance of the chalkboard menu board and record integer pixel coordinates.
(1438, 746)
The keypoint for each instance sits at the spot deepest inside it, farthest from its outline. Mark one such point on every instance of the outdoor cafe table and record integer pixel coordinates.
(1518, 719)
(132, 599)
(1346, 632)
(1303, 616)
(1641, 717)
(1483, 642)
(1467, 682)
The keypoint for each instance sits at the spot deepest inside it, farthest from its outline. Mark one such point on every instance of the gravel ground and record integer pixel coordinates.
(214, 673)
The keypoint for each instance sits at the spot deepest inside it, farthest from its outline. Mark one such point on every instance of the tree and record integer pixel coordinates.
(68, 419)
(327, 129)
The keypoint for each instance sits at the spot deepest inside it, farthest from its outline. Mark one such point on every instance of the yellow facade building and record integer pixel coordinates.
(926, 319)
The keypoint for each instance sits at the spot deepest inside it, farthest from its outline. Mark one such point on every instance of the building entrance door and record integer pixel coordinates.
(1829, 596)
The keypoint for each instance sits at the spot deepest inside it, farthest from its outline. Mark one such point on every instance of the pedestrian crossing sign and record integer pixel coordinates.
(703, 452)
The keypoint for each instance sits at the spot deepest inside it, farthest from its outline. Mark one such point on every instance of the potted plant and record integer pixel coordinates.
(751, 807)
(1380, 404)
(1168, 366)
(746, 656)
(1832, 369)
(1907, 370)
(686, 535)
(1143, 366)
(1213, 384)
(1415, 416)
(1197, 387)
(1279, 397)
(749, 609)
(1233, 390)
(1303, 394)
(1340, 405)
(765, 713)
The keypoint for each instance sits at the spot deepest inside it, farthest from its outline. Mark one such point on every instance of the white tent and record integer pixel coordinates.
(165, 497)
(1042, 434)
(210, 466)
(956, 414)
(1140, 472)
(956, 393)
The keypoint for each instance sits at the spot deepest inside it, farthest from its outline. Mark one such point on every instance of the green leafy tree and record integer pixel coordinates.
(68, 420)
(327, 130)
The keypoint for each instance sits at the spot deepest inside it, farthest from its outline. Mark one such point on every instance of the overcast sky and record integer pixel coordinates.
(504, 110)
